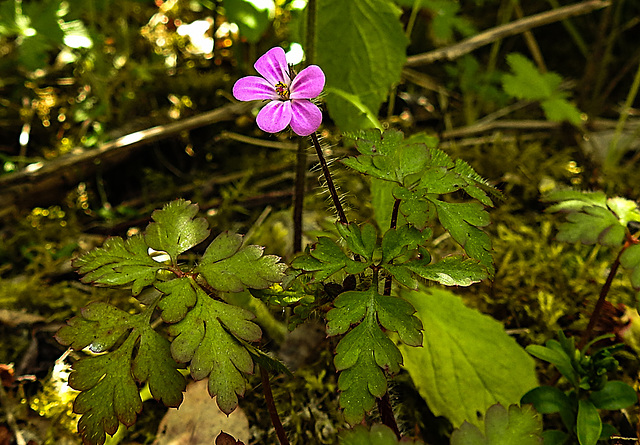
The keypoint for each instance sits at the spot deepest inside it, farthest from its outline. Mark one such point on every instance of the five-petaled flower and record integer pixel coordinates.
(288, 97)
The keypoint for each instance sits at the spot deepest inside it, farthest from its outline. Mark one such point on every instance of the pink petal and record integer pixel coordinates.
(272, 65)
(306, 117)
(275, 116)
(308, 83)
(253, 88)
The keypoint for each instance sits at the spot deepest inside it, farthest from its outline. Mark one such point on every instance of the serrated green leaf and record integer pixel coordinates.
(365, 351)
(527, 82)
(327, 258)
(154, 364)
(518, 425)
(363, 33)
(450, 271)
(462, 220)
(467, 361)
(588, 424)
(574, 200)
(179, 296)
(592, 225)
(109, 392)
(402, 274)
(119, 263)
(99, 327)
(416, 209)
(387, 156)
(559, 109)
(397, 241)
(378, 435)
(361, 240)
(630, 259)
(175, 230)
(206, 337)
(229, 267)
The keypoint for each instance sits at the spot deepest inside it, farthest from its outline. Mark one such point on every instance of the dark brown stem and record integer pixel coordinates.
(386, 414)
(327, 176)
(271, 406)
(597, 310)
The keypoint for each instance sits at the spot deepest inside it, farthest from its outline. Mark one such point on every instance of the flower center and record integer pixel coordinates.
(282, 90)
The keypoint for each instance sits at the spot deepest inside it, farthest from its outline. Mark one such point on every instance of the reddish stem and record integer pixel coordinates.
(271, 406)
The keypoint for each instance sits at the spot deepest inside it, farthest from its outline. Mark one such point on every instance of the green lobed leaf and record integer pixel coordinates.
(361, 240)
(588, 423)
(378, 435)
(109, 393)
(624, 209)
(462, 221)
(119, 263)
(206, 337)
(387, 156)
(366, 34)
(365, 351)
(450, 271)
(179, 296)
(574, 200)
(592, 225)
(630, 259)
(527, 82)
(230, 267)
(327, 258)
(417, 210)
(559, 109)
(397, 241)
(467, 361)
(175, 230)
(518, 425)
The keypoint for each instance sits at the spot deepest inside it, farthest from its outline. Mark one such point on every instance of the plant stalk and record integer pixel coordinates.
(271, 406)
(327, 176)
(597, 310)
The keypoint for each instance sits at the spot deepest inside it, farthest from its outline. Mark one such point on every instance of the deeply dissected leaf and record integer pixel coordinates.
(527, 82)
(109, 392)
(119, 263)
(179, 296)
(378, 435)
(230, 267)
(361, 241)
(592, 225)
(450, 271)
(327, 258)
(462, 221)
(397, 241)
(360, 33)
(208, 337)
(467, 361)
(387, 156)
(175, 230)
(366, 351)
(518, 425)
(417, 210)
(630, 259)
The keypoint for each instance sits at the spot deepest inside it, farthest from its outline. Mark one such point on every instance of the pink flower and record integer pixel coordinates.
(288, 98)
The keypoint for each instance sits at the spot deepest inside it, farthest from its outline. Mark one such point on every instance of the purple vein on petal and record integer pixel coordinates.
(306, 117)
(275, 116)
(308, 83)
(272, 65)
(253, 88)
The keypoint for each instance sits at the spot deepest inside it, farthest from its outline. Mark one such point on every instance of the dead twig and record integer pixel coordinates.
(452, 52)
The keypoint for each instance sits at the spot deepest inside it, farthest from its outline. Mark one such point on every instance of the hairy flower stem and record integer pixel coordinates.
(327, 176)
(597, 310)
(271, 406)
